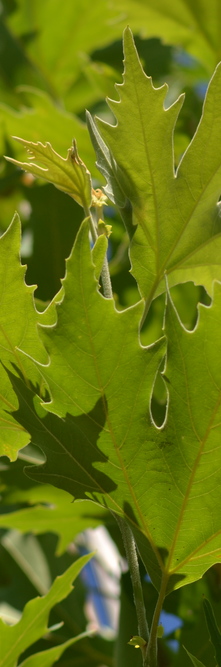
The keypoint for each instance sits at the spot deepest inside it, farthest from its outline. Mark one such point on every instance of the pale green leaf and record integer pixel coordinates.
(177, 217)
(33, 624)
(52, 511)
(68, 174)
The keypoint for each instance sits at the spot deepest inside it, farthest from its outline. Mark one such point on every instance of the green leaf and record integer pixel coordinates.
(215, 635)
(95, 356)
(33, 624)
(68, 174)
(177, 217)
(106, 446)
(18, 329)
(53, 511)
(195, 661)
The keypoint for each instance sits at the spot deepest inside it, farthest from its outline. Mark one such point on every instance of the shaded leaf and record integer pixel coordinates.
(68, 174)
(27, 553)
(33, 624)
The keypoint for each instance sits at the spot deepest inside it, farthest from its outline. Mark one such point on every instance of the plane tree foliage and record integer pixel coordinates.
(110, 394)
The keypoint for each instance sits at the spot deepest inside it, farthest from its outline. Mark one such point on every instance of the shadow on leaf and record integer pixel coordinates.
(69, 444)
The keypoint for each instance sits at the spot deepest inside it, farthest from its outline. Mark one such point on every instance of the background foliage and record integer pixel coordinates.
(58, 59)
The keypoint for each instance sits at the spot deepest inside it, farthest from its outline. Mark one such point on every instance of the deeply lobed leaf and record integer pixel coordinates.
(99, 439)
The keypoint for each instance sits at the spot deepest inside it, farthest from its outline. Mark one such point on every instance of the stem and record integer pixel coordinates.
(106, 281)
(105, 274)
(131, 554)
(151, 654)
(93, 229)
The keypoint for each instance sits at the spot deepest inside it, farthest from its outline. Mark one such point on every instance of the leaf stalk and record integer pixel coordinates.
(132, 559)
(105, 274)
(151, 654)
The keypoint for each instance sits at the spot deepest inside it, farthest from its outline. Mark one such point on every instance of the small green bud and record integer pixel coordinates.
(137, 642)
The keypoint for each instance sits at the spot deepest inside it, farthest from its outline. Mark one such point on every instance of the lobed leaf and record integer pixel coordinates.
(98, 434)
(96, 357)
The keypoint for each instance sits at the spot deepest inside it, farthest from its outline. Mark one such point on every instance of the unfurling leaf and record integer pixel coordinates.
(68, 174)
